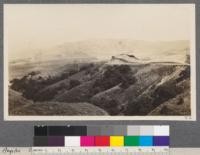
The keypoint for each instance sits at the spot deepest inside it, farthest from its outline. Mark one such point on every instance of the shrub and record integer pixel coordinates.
(115, 75)
(86, 66)
(73, 83)
(140, 106)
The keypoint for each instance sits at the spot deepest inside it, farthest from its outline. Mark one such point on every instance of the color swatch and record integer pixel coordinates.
(102, 136)
(56, 141)
(87, 141)
(131, 141)
(102, 140)
(72, 141)
(145, 141)
(116, 141)
(161, 141)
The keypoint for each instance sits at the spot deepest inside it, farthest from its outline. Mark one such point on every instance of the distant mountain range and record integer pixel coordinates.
(105, 48)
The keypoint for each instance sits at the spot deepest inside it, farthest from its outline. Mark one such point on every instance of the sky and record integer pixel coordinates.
(41, 26)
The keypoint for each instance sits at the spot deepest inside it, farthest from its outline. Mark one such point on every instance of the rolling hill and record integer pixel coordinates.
(125, 84)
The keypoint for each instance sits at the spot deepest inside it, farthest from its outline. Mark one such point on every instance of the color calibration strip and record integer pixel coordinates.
(101, 136)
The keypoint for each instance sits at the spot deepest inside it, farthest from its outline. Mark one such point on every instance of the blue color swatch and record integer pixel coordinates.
(146, 140)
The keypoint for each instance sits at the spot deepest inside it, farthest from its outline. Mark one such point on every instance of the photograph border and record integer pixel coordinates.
(192, 117)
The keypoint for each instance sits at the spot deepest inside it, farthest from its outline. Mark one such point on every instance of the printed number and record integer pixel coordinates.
(86, 150)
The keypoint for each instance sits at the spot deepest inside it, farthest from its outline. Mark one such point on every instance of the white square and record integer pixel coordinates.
(146, 130)
(162, 130)
(72, 141)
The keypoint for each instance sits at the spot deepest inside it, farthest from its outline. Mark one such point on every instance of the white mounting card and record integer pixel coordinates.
(99, 62)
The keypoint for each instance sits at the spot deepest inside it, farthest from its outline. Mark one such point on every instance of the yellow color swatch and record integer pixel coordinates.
(116, 140)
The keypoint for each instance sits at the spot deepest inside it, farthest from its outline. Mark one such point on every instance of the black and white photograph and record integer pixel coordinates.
(99, 62)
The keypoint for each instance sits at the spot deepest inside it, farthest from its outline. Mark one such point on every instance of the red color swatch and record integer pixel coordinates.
(102, 141)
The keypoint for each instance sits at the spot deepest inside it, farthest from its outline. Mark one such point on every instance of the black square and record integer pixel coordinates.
(40, 131)
(67, 130)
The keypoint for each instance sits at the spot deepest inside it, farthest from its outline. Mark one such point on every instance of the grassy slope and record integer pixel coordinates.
(108, 88)
(18, 105)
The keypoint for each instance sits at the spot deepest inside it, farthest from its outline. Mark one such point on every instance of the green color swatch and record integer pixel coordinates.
(131, 140)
